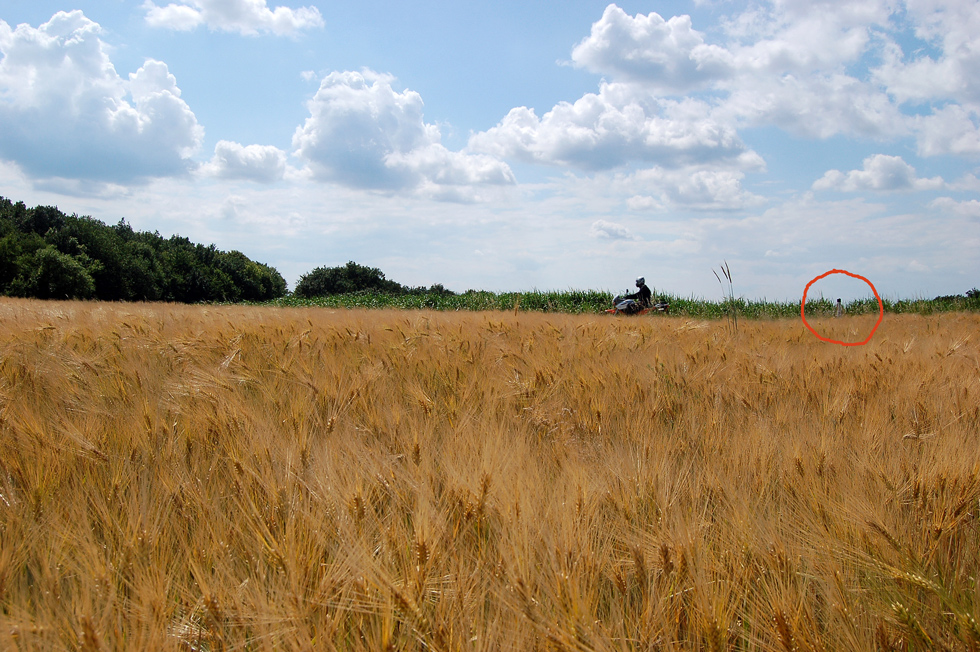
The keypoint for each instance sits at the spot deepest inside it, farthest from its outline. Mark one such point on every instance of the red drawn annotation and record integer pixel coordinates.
(881, 308)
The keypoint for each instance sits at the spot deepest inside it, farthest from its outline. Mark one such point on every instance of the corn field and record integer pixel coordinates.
(260, 478)
(596, 302)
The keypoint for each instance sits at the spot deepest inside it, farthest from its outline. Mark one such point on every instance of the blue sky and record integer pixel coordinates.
(516, 145)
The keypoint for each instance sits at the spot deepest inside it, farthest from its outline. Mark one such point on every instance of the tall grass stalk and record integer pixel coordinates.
(730, 306)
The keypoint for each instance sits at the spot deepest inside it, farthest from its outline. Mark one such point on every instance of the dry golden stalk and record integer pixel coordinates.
(256, 478)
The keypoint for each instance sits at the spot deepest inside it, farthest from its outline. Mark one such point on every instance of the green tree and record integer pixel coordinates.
(326, 281)
(39, 219)
(12, 250)
(104, 245)
(142, 272)
(55, 276)
(255, 281)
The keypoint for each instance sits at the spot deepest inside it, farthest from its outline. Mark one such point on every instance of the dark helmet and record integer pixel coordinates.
(640, 282)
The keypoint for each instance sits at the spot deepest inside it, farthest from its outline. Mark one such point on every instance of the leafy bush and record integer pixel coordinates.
(328, 281)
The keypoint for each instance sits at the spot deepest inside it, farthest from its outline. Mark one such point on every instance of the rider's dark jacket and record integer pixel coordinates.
(641, 296)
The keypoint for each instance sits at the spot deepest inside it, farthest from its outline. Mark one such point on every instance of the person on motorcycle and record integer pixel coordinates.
(642, 295)
(632, 303)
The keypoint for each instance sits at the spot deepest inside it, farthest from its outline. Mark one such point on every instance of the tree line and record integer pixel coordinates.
(47, 254)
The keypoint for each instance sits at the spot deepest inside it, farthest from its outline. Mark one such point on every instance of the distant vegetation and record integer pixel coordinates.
(352, 279)
(594, 301)
(357, 286)
(46, 254)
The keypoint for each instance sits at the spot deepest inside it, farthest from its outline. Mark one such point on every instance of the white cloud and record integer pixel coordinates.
(710, 190)
(788, 76)
(261, 163)
(969, 208)
(673, 101)
(881, 173)
(786, 38)
(968, 182)
(947, 76)
(617, 126)
(665, 54)
(247, 17)
(952, 129)
(67, 114)
(644, 203)
(776, 69)
(951, 27)
(443, 167)
(690, 188)
(818, 106)
(797, 38)
(364, 134)
(182, 18)
(610, 231)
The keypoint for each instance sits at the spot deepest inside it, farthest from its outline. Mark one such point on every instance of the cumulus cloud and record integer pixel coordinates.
(362, 133)
(952, 129)
(795, 37)
(666, 54)
(945, 74)
(247, 17)
(67, 114)
(771, 66)
(692, 188)
(610, 231)
(775, 69)
(950, 28)
(785, 38)
(881, 173)
(816, 69)
(181, 18)
(786, 75)
(969, 208)
(261, 163)
(672, 99)
(440, 166)
(614, 127)
(816, 106)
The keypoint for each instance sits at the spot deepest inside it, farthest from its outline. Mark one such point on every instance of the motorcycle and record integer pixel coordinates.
(623, 306)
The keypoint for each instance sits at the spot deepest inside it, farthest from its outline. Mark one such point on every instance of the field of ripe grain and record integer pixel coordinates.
(244, 478)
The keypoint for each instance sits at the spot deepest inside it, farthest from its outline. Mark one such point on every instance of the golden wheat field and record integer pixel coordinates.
(245, 478)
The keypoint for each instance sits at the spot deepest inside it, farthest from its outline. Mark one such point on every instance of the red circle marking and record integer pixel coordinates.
(881, 308)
